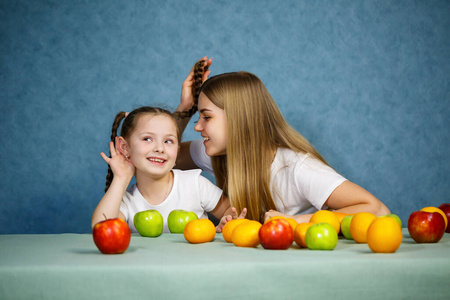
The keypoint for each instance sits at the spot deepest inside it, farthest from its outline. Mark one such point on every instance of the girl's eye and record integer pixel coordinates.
(148, 139)
(169, 142)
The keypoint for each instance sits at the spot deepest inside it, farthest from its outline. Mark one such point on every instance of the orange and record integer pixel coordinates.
(359, 225)
(227, 230)
(291, 221)
(435, 209)
(340, 215)
(326, 216)
(246, 234)
(300, 233)
(199, 231)
(384, 235)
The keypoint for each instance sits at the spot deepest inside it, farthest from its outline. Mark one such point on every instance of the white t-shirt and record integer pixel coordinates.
(300, 184)
(190, 191)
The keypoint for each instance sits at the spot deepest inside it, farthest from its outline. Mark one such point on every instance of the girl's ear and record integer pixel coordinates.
(122, 147)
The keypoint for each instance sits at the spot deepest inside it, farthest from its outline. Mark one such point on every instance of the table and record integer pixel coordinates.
(69, 266)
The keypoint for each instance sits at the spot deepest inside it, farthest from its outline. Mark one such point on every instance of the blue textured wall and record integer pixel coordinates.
(367, 82)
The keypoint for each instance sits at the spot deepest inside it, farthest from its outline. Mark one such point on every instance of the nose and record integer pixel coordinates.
(198, 127)
(158, 147)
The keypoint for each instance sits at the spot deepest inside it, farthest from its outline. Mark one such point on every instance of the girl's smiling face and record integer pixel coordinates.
(153, 145)
(212, 125)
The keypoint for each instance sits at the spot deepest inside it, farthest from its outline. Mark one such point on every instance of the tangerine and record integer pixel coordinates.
(384, 235)
(227, 230)
(300, 233)
(246, 234)
(326, 216)
(359, 225)
(199, 231)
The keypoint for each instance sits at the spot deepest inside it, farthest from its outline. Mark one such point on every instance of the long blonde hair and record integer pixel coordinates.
(256, 128)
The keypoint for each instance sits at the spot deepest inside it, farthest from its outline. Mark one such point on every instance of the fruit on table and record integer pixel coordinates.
(384, 235)
(426, 227)
(435, 209)
(229, 227)
(445, 207)
(396, 218)
(326, 216)
(277, 234)
(112, 236)
(199, 231)
(291, 221)
(345, 227)
(246, 234)
(300, 234)
(359, 225)
(321, 236)
(178, 218)
(149, 223)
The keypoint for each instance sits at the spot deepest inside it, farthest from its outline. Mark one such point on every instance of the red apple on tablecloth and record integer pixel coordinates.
(112, 236)
(445, 207)
(426, 227)
(276, 234)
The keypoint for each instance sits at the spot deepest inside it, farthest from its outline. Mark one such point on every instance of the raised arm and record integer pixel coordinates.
(187, 100)
(123, 171)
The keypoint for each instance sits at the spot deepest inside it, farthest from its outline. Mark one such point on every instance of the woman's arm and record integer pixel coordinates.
(350, 198)
(187, 99)
(184, 160)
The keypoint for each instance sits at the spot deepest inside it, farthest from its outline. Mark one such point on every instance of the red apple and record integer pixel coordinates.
(276, 234)
(112, 236)
(426, 227)
(445, 207)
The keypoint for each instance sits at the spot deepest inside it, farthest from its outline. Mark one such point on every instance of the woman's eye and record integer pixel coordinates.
(206, 118)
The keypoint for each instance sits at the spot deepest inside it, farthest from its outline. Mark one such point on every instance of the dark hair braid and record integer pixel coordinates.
(199, 70)
(119, 117)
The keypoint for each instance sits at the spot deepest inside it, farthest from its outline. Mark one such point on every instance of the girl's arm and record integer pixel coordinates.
(109, 205)
(348, 198)
(224, 212)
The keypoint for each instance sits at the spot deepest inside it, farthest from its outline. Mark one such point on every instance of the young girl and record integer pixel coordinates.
(147, 149)
(259, 161)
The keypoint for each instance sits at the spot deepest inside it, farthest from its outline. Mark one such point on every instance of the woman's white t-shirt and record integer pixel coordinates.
(190, 191)
(300, 184)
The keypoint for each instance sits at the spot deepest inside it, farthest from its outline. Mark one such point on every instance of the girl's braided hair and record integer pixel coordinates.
(199, 70)
(128, 126)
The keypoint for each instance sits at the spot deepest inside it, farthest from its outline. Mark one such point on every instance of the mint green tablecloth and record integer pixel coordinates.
(69, 266)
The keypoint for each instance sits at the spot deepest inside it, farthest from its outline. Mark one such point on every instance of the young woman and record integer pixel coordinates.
(259, 161)
(147, 149)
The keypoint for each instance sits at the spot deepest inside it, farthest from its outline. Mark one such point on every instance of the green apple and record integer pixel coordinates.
(149, 223)
(345, 227)
(396, 218)
(178, 218)
(321, 236)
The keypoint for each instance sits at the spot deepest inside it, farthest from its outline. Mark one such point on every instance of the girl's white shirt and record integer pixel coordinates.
(190, 191)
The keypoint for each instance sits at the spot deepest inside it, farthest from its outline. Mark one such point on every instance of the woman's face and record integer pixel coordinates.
(212, 125)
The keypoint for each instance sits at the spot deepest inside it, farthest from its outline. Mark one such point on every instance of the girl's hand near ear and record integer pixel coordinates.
(186, 100)
(120, 166)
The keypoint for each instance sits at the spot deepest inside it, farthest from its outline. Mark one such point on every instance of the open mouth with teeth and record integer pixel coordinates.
(156, 160)
(206, 138)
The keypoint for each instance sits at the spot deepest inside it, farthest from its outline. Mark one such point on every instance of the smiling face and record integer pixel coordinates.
(212, 125)
(153, 145)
